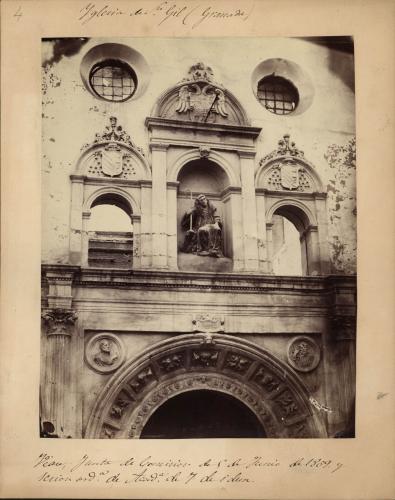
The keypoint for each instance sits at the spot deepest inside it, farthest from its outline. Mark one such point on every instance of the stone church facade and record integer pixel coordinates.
(184, 324)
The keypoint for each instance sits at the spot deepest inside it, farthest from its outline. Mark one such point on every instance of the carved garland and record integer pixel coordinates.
(268, 390)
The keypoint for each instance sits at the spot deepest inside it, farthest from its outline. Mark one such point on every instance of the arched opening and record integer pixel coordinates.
(110, 232)
(203, 218)
(202, 414)
(287, 248)
(292, 242)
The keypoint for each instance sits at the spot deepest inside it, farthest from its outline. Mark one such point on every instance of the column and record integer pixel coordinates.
(145, 226)
(269, 243)
(261, 227)
(172, 225)
(322, 222)
(313, 251)
(233, 209)
(77, 195)
(159, 206)
(85, 239)
(136, 221)
(56, 396)
(250, 236)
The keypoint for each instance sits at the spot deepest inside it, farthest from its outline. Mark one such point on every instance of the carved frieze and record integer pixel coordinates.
(237, 362)
(104, 353)
(205, 358)
(303, 354)
(172, 362)
(267, 380)
(141, 379)
(59, 321)
(343, 326)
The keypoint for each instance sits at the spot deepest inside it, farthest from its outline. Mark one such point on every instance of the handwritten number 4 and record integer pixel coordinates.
(18, 13)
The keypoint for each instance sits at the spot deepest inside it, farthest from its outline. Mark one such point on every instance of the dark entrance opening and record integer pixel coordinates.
(202, 414)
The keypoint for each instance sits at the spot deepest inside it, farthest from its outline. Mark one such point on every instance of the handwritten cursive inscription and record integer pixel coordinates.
(187, 14)
(150, 469)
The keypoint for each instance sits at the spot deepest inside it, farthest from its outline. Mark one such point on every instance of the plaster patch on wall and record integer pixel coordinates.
(341, 161)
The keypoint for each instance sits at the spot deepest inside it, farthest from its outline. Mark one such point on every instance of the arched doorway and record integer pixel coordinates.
(232, 367)
(110, 231)
(203, 177)
(187, 416)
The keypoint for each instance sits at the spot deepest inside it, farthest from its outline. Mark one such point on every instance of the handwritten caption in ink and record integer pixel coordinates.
(187, 14)
(105, 471)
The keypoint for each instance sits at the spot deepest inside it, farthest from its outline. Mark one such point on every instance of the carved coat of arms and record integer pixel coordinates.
(202, 103)
(111, 162)
(289, 175)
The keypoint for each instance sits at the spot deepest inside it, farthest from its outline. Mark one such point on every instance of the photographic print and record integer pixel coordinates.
(198, 238)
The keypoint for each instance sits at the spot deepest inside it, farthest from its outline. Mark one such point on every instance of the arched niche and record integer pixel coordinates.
(197, 177)
(289, 186)
(268, 388)
(109, 171)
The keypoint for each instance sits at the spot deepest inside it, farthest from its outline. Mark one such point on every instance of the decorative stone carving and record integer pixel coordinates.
(142, 379)
(172, 362)
(199, 72)
(204, 151)
(208, 323)
(198, 98)
(104, 353)
(267, 380)
(271, 391)
(289, 175)
(284, 148)
(205, 358)
(237, 363)
(113, 133)
(303, 354)
(286, 404)
(118, 408)
(107, 433)
(59, 321)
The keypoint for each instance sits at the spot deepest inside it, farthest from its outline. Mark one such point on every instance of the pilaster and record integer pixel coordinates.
(250, 234)
(159, 206)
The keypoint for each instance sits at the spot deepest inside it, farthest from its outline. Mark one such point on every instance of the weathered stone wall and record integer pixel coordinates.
(324, 131)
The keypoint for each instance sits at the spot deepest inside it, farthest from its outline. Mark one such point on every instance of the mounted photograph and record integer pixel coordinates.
(198, 238)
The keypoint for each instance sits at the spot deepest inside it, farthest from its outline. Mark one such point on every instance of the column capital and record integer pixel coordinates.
(59, 321)
(158, 146)
(246, 154)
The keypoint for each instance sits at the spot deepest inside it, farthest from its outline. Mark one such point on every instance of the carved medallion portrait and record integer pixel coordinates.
(104, 353)
(303, 354)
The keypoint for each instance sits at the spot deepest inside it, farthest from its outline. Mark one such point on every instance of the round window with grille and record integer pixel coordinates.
(278, 95)
(113, 80)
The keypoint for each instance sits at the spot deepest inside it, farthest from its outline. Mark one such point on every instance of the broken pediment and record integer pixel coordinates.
(198, 98)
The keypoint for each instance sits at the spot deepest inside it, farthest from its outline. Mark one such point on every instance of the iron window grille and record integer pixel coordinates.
(278, 95)
(113, 80)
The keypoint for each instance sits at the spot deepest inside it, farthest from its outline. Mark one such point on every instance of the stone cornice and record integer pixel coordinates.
(252, 132)
(224, 282)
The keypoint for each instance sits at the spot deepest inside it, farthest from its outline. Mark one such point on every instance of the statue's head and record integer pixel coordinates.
(105, 346)
(202, 200)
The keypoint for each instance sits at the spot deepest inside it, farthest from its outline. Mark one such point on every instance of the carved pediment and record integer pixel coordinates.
(112, 154)
(198, 98)
(286, 169)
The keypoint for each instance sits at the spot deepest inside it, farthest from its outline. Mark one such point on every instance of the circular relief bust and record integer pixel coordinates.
(104, 353)
(303, 354)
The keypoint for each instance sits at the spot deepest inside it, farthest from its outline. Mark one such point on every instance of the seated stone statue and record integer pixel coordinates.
(203, 229)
